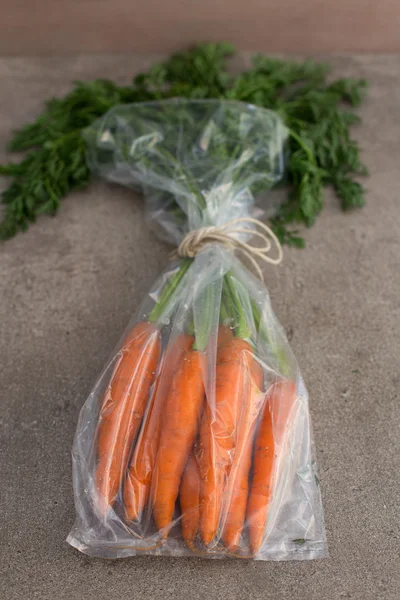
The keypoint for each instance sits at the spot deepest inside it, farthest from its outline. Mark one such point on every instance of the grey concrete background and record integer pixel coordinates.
(49, 27)
(68, 287)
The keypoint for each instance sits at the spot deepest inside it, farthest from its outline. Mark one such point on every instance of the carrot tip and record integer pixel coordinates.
(255, 548)
(130, 517)
(207, 540)
(190, 544)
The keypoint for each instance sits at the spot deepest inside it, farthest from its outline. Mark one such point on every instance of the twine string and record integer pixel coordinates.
(226, 235)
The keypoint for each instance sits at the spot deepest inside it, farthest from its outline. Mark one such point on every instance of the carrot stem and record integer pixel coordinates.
(169, 291)
(224, 315)
(206, 318)
(235, 306)
(275, 348)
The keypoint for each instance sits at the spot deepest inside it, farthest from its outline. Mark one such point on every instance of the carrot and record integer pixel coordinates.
(189, 496)
(137, 484)
(235, 497)
(219, 431)
(273, 426)
(123, 407)
(179, 428)
(133, 335)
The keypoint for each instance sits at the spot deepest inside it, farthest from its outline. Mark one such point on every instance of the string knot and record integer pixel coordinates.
(226, 235)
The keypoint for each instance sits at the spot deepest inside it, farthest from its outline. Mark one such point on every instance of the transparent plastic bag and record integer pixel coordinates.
(196, 439)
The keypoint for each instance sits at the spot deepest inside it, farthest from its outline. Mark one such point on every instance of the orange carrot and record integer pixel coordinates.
(123, 406)
(236, 492)
(272, 430)
(137, 484)
(133, 335)
(179, 428)
(189, 497)
(219, 431)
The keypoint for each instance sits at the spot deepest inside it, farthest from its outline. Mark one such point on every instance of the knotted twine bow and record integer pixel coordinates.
(195, 241)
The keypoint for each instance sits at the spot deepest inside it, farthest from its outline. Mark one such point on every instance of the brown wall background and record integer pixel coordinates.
(71, 26)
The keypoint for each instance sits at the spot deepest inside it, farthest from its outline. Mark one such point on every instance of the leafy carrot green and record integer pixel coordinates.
(322, 151)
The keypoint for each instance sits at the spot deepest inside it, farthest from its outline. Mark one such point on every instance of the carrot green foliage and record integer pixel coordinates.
(321, 150)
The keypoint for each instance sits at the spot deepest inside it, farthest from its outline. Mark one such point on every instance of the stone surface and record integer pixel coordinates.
(68, 287)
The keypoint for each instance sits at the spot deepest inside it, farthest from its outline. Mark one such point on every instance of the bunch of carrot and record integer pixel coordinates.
(174, 426)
